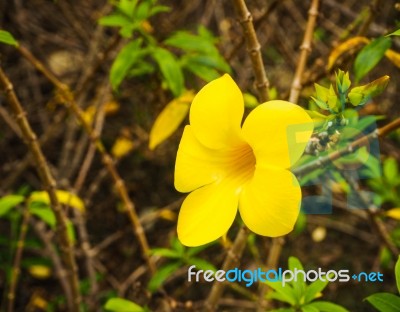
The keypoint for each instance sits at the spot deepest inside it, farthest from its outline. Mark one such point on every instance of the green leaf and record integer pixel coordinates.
(286, 292)
(162, 274)
(170, 69)
(308, 308)
(7, 38)
(362, 94)
(8, 202)
(312, 291)
(164, 252)
(370, 56)
(143, 11)
(391, 170)
(114, 20)
(299, 286)
(159, 9)
(395, 33)
(189, 42)
(202, 264)
(397, 274)
(192, 251)
(127, 7)
(325, 306)
(124, 61)
(385, 302)
(44, 213)
(206, 73)
(122, 305)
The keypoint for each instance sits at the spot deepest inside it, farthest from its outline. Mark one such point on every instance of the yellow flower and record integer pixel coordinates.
(226, 166)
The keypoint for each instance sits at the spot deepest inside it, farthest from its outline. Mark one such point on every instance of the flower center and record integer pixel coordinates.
(242, 165)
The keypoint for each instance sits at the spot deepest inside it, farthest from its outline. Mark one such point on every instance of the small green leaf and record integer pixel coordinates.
(370, 56)
(322, 92)
(314, 289)
(8, 202)
(397, 274)
(44, 213)
(7, 38)
(395, 33)
(127, 7)
(114, 20)
(325, 306)
(286, 292)
(309, 308)
(390, 170)
(124, 61)
(202, 264)
(122, 305)
(300, 285)
(189, 42)
(164, 252)
(362, 94)
(170, 69)
(385, 302)
(162, 274)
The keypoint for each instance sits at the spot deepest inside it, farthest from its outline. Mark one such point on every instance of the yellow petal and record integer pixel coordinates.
(270, 202)
(207, 214)
(64, 197)
(122, 147)
(196, 165)
(278, 132)
(216, 113)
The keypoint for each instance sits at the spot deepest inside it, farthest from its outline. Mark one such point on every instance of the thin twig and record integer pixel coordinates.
(305, 51)
(371, 13)
(254, 49)
(15, 272)
(49, 185)
(233, 256)
(107, 160)
(351, 148)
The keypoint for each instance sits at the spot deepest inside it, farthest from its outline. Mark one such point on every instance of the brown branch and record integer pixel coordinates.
(254, 49)
(107, 160)
(233, 256)
(305, 51)
(15, 272)
(351, 148)
(49, 185)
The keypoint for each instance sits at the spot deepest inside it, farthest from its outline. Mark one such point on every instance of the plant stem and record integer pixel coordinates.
(70, 103)
(305, 51)
(254, 49)
(351, 148)
(233, 256)
(49, 185)
(15, 272)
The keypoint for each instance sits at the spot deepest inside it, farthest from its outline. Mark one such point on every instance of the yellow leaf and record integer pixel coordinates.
(122, 146)
(39, 271)
(89, 113)
(394, 213)
(170, 118)
(344, 47)
(394, 57)
(64, 197)
(167, 214)
(111, 108)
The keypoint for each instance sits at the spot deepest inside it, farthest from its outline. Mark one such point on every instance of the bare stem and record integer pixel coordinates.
(49, 185)
(305, 51)
(233, 256)
(70, 103)
(254, 49)
(15, 272)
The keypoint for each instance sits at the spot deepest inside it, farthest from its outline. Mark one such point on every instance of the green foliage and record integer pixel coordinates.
(301, 296)
(178, 256)
(9, 202)
(122, 305)
(370, 56)
(386, 302)
(7, 38)
(143, 54)
(387, 186)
